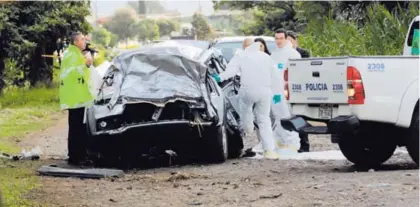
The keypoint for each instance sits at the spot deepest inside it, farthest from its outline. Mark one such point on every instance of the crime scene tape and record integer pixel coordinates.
(50, 56)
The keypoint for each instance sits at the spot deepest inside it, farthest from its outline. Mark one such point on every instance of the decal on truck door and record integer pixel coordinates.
(376, 67)
(316, 87)
(297, 88)
(337, 88)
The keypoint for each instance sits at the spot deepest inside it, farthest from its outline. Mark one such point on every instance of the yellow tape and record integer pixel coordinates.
(51, 56)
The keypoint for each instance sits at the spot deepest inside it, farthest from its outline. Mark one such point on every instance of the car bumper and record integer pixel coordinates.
(336, 126)
(124, 129)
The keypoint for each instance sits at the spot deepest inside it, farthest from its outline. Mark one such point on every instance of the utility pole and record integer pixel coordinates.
(96, 13)
(199, 6)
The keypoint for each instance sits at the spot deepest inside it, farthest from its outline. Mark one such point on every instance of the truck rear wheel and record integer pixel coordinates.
(412, 140)
(367, 149)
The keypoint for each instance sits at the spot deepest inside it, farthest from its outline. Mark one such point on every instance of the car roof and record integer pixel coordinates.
(242, 38)
(195, 43)
(165, 48)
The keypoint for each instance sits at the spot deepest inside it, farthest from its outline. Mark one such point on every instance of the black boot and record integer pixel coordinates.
(304, 143)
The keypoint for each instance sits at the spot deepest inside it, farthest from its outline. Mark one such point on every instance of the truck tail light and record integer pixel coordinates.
(355, 88)
(286, 83)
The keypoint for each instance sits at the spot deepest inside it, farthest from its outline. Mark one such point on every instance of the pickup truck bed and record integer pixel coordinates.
(357, 96)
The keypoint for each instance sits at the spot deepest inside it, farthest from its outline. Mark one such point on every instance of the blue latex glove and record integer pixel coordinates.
(276, 98)
(216, 77)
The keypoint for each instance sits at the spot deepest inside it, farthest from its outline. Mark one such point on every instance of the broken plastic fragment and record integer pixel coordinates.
(33, 154)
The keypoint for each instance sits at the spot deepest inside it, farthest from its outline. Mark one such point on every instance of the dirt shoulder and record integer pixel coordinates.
(241, 182)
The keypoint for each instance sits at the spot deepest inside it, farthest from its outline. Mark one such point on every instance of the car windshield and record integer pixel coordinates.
(229, 49)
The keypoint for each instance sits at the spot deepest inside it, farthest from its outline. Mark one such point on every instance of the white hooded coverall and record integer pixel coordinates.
(258, 72)
(281, 110)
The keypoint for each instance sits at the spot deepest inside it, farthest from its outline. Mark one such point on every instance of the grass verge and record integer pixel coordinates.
(22, 111)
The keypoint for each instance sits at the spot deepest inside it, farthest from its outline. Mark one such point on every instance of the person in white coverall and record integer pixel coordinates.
(281, 55)
(258, 72)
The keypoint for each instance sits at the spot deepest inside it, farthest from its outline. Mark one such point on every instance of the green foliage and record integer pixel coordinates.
(201, 27)
(147, 30)
(18, 97)
(22, 111)
(114, 40)
(13, 74)
(268, 15)
(294, 15)
(102, 56)
(123, 24)
(101, 36)
(16, 182)
(230, 22)
(25, 37)
(166, 27)
(384, 35)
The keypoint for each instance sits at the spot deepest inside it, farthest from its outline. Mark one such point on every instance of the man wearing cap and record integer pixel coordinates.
(292, 37)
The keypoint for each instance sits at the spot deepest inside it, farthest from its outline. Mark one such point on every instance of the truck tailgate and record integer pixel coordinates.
(318, 81)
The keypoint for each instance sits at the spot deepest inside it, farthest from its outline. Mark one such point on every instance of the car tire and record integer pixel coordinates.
(235, 145)
(216, 144)
(235, 141)
(365, 151)
(412, 139)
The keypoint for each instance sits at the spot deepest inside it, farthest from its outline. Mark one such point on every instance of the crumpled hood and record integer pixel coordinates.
(159, 73)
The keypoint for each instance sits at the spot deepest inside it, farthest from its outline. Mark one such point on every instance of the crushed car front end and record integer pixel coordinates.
(155, 97)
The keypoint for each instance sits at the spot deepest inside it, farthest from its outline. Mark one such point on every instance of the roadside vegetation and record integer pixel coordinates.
(333, 28)
(28, 88)
(23, 110)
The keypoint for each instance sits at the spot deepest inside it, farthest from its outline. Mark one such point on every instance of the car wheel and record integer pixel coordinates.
(412, 140)
(235, 145)
(235, 141)
(216, 144)
(364, 151)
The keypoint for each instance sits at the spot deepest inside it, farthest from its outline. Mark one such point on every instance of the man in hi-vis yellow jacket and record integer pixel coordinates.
(75, 96)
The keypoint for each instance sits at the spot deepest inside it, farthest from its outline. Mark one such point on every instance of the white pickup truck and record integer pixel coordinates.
(370, 104)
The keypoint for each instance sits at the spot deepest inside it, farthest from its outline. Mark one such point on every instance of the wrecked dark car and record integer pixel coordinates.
(162, 98)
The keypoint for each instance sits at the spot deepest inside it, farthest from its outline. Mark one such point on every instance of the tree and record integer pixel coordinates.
(26, 37)
(147, 7)
(114, 40)
(166, 27)
(123, 24)
(147, 30)
(201, 27)
(295, 15)
(101, 36)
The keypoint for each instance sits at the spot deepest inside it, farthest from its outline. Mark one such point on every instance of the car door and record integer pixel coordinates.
(215, 91)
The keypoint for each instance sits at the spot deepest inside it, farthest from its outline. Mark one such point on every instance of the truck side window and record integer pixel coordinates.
(411, 33)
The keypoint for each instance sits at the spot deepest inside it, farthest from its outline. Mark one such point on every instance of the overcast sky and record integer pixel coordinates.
(185, 7)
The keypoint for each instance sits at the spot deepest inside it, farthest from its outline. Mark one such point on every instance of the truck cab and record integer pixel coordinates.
(408, 45)
(369, 103)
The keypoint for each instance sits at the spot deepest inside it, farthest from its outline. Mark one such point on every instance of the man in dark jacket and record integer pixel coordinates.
(292, 37)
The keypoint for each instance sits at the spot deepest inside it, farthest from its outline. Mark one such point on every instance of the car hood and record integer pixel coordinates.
(158, 74)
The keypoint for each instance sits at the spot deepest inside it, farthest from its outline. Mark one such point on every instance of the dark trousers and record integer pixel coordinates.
(304, 142)
(77, 137)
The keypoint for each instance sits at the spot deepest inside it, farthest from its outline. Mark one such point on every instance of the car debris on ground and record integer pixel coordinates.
(92, 173)
(33, 154)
